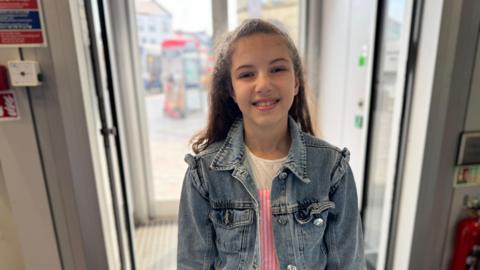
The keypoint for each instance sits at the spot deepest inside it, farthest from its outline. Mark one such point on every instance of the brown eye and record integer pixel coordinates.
(245, 75)
(278, 69)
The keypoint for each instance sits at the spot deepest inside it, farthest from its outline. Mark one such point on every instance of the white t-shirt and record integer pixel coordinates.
(263, 170)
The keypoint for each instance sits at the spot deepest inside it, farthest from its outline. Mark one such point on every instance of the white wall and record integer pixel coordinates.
(24, 182)
(472, 123)
(52, 148)
(10, 251)
(448, 40)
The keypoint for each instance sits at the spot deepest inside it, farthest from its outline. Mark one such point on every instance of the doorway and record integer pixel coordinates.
(165, 103)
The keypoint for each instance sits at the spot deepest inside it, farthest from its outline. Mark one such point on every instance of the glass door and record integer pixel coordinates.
(175, 51)
(176, 56)
(171, 46)
(117, 231)
(386, 114)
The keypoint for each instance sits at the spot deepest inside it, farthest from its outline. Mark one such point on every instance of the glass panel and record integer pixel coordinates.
(175, 51)
(283, 13)
(382, 147)
(176, 56)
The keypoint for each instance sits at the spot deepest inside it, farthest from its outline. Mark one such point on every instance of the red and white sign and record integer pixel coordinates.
(18, 4)
(8, 106)
(21, 24)
(21, 37)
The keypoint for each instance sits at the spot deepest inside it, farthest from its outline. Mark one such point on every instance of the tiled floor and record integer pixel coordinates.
(156, 246)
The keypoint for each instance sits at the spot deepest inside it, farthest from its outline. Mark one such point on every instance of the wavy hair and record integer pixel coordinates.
(223, 110)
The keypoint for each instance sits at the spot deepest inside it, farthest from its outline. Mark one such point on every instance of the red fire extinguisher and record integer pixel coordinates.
(466, 254)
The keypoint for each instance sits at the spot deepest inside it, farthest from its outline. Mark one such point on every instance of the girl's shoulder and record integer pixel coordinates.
(322, 145)
(205, 155)
(335, 159)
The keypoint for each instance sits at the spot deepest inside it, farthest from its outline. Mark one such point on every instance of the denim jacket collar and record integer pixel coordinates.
(231, 154)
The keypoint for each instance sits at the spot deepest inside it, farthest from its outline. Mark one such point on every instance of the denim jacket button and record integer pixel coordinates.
(283, 175)
(318, 222)
(291, 267)
(282, 220)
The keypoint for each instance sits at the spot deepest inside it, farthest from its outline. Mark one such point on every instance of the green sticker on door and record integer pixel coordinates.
(358, 121)
(362, 60)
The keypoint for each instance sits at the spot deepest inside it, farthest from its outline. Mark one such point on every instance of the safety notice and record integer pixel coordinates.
(21, 24)
(8, 106)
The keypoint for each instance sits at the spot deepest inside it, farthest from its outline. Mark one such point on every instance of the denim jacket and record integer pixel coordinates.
(315, 217)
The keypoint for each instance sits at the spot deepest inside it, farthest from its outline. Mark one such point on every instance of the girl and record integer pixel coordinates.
(262, 192)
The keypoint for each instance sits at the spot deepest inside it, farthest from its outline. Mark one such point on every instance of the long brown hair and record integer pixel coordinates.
(223, 110)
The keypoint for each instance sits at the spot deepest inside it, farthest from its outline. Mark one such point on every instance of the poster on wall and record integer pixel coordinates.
(21, 24)
(8, 106)
(468, 175)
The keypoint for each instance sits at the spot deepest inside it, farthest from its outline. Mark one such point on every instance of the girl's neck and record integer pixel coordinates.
(268, 144)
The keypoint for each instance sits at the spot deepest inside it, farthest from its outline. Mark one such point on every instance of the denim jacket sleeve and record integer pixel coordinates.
(196, 249)
(344, 233)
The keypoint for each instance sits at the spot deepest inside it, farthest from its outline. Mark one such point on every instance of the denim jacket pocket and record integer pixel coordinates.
(311, 221)
(231, 228)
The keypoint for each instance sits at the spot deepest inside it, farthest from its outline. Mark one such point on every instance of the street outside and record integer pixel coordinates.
(169, 143)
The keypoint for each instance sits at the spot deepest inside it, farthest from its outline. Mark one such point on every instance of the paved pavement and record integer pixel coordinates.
(169, 142)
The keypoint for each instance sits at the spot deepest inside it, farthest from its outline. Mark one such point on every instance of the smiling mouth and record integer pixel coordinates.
(265, 105)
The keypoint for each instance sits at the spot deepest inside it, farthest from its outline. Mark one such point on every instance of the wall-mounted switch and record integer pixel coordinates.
(24, 73)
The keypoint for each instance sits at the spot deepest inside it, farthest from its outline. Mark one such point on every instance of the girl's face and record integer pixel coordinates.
(263, 79)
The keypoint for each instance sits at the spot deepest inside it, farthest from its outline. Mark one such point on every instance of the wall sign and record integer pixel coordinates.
(21, 24)
(8, 106)
(467, 175)
(469, 150)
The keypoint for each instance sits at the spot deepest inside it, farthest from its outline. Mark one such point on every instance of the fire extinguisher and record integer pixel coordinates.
(466, 254)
